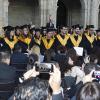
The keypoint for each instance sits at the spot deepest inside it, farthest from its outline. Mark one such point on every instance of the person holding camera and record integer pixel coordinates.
(34, 88)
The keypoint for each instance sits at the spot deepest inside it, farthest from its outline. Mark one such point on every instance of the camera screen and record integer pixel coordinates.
(44, 67)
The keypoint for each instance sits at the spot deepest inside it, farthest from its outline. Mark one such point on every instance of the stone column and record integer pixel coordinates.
(43, 12)
(84, 17)
(94, 13)
(5, 12)
(1, 14)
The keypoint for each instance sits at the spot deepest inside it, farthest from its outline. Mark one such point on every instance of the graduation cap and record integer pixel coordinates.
(38, 30)
(44, 28)
(17, 27)
(61, 27)
(73, 26)
(32, 29)
(10, 28)
(24, 26)
(77, 26)
(89, 26)
(51, 30)
(6, 28)
(98, 30)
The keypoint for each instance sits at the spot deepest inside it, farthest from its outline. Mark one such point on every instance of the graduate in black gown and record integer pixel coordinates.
(76, 37)
(48, 41)
(10, 40)
(62, 39)
(89, 38)
(25, 39)
(36, 38)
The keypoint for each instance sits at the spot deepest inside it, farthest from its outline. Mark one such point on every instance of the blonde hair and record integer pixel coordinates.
(35, 50)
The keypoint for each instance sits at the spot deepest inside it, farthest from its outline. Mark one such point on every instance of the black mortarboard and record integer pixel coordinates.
(17, 27)
(89, 26)
(50, 29)
(77, 26)
(32, 29)
(98, 30)
(10, 28)
(38, 30)
(73, 26)
(61, 26)
(44, 28)
(6, 28)
(24, 26)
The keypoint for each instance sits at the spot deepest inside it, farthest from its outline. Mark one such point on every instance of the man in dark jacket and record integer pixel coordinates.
(7, 76)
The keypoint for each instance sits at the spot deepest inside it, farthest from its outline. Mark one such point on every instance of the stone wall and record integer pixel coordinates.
(23, 12)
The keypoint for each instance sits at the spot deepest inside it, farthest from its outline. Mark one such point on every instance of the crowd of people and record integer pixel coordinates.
(73, 76)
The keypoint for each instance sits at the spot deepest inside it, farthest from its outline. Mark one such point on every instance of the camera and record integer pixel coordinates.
(44, 67)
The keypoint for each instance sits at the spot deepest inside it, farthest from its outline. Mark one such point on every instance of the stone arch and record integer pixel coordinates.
(73, 9)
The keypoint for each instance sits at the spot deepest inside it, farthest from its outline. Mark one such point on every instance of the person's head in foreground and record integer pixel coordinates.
(89, 91)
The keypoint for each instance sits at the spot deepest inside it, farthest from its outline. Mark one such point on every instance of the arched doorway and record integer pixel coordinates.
(23, 12)
(69, 12)
(61, 14)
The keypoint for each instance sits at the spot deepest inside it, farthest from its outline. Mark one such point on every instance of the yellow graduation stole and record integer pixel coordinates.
(98, 37)
(63, 41)
(11, 44)
(46, 43)
(26, 40)
(74, 42)
(90, 38)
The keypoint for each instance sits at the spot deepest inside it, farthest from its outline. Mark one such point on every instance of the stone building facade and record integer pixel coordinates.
(63, 12)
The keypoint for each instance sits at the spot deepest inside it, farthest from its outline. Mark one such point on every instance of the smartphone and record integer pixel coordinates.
(97, 74)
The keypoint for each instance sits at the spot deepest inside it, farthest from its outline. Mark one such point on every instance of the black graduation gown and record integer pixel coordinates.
(71, 45)
(43, 49)
(98, 43)
(33, 42)
(59, 46)
(87, 45)
(5, 46)
(23, 46)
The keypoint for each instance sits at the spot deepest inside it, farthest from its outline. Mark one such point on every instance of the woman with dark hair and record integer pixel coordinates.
(72, 69)
(89, 91)
(10, 40)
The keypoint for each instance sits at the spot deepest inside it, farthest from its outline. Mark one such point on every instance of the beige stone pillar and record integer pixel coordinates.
(84, 17)
(43, 12)
(5, 12)
(1, 14)
(94, 13)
